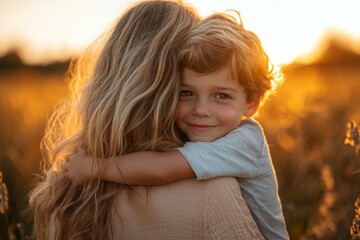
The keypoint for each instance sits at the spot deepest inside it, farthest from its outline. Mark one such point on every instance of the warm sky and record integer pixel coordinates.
(48, 30)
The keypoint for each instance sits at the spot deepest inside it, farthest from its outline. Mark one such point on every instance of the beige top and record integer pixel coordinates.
(188, 209)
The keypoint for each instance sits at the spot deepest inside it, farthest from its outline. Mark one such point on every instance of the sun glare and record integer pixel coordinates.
(264, 23)
(53, 30)
(289, 30)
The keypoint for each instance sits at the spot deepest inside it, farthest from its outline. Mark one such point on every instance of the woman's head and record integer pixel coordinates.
(131, 98)
(126, 102)
(220, 40)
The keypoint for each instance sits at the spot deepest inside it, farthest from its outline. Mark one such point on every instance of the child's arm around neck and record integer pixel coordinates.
(159, 168)
(138, 168)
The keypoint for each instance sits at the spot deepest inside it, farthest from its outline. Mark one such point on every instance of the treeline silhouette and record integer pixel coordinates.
(11, 60)
(335, 52)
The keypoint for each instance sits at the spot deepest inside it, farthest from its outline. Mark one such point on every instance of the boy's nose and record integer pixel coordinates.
(201, 109)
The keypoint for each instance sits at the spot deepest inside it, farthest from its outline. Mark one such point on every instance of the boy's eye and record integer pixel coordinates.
(222, 96)
(185, 93)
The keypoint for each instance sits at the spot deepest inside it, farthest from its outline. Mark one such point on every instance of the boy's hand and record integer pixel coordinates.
(78, 167)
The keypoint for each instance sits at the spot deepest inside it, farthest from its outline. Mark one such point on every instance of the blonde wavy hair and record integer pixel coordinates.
(221, 40)
(122, 102)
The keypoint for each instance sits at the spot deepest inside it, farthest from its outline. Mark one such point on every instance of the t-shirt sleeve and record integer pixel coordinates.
(237, 154)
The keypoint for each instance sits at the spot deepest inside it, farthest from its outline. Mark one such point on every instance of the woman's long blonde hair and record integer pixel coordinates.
(124, 102)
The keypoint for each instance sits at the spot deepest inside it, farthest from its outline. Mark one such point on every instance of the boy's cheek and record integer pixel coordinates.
(181, 110)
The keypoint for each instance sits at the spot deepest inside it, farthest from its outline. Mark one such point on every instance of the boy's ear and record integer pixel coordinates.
(251, 107)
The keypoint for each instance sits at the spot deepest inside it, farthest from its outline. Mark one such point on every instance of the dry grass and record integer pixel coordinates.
(305, 125)
(353, 139)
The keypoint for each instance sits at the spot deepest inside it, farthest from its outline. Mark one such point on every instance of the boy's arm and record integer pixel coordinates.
(138, 168)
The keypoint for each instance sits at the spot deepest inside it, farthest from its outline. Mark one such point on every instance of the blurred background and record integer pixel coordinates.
(317, 44)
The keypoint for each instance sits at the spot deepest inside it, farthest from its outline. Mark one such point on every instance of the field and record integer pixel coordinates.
(305, 124)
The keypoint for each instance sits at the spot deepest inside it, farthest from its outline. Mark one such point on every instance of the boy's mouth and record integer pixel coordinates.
(200, 127)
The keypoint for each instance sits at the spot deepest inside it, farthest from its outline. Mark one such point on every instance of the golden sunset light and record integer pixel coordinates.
(55, 30)
(309, 122)
(292, 29)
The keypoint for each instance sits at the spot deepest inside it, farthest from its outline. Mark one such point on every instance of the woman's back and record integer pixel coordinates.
(188, 209)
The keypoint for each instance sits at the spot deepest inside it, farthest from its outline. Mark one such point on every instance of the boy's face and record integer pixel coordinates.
(211, 105)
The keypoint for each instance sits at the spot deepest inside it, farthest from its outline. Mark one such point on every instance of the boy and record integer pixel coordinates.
(225, 74)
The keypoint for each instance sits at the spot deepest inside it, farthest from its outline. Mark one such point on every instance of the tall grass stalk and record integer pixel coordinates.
(353, 139)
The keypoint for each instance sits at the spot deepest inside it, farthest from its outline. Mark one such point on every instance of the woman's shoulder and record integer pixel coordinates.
(220, 182)
(199, 189)
(161, 212)
(184, 194)
(189, 208)
(192, 187)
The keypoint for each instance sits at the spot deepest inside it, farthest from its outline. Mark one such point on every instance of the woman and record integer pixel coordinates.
(124, 103)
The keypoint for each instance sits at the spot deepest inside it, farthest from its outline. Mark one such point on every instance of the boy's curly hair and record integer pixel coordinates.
(221, 40)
